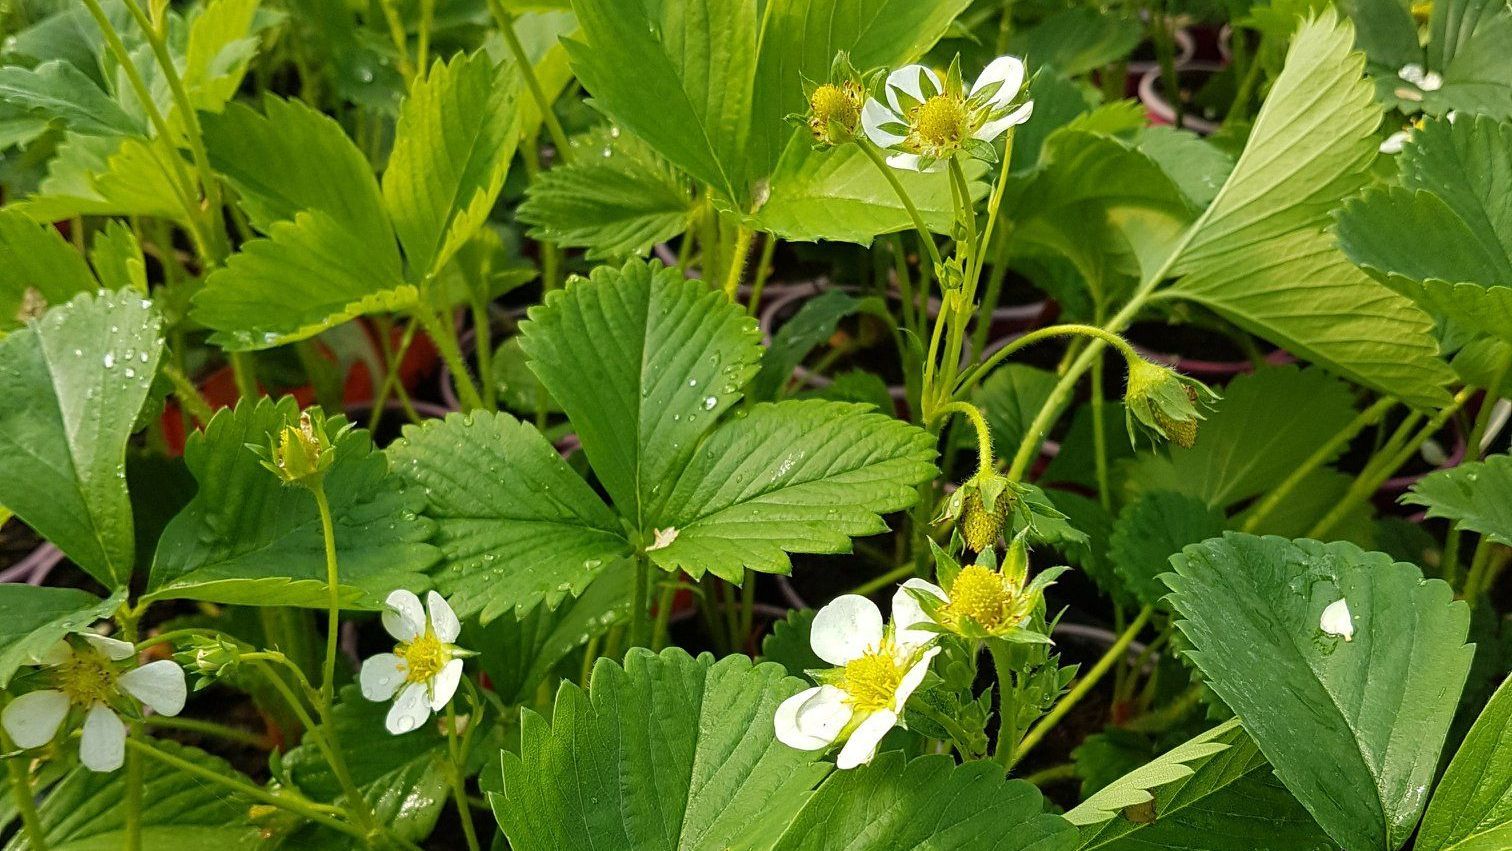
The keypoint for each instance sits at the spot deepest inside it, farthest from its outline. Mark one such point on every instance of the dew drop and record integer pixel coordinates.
(710, 402)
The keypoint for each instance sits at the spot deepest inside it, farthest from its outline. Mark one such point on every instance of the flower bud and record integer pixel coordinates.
(980, 505)
(209, 658)
(834, 107)
(1164, 402)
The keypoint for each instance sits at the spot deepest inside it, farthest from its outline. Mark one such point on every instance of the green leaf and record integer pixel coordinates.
(1469, 40)
(788, 643)
(105, 176)
(799, 40)
(668, 752)
(1259, 255)
(291, 158)
(814, 323)
(790, 477)
(689, 94)
(515, 524)
(1264, 427)
(838, 194)
(1472, 806)
(309, 275)
(1226, 799)
(84, 811)
(223, 38)
(35, 256)
(59, 90)
(403, 778)
(929, 802)
(74, 383)
(117, 258)
(1151, 529)
(615, 198)
(248, 539)
(34, 618)
(1444, 237)
(452, 146)
(518, 653)
(1477, 495)
(541, 32)
(1075, 41)
(644, 363)
(1011, 397)
(1326, 712)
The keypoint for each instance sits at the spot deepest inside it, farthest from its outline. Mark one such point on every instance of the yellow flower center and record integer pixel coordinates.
(983, 596)
(872, 680)
(834, 104)
(87, 678)
(940, 123)
(424, 657)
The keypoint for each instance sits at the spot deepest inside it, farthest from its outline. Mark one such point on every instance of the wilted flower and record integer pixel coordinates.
(1164, 402)
(425, 668)
(88, 680)
(926, 119)
(1336, 620)
(834, 107)
(980, 506)
(863, 698)
(300, 455)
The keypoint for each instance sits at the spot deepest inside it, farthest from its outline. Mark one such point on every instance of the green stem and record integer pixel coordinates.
(445, 338)
(1100, 438)
(663, 615)
(209, 728)
(190, 399)
(400, 40)
(1002, 668)
(1083, 686)
(979, 422)
(257, 793)
(1377, 473)
(483, 353)
(422, 47)
(244, 372)
(897, 574)
(640, 615)
(978, 372)
(532, 82)
(24, 797)
(333, 595)
(763, 271)
(133, 815)
(1366, 418)
(459, 780)
(913, 212)
(1481, 570)
(1053, 774)
(736, 271)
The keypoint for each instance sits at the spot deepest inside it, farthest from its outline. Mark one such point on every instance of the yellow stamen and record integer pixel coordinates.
(424, 657)
(87, 678)
(832, 104)
(940, 123)
(872, 680)
(982, 595)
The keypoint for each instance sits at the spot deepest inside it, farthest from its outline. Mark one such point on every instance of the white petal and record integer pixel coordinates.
(158, 684)
(912, 678)
(443, 620)
(1336, 620)
(33, 719)
(1394, 143)
(807, 720)
(873, 116)
(381, 676)
(1432, 82)
(849, 627)
(907, 613)
(910, 162)
(405, 617)
(812, 719)
(409, 711)
(993, 129)
(102, 747)
(445, 684)
(114, 649)
(862, 744)
(907, 80)
(1412, 72)
(55, 655)
(1007, 70)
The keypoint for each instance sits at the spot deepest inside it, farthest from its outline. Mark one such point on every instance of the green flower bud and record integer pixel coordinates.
(1165, 403)
(209, 658)
(834, 107)
(980, 505)
(300, 455)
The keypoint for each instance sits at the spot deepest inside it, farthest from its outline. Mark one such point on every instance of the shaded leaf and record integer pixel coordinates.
(1471, 809)
(1477, 495)
(1152, 528)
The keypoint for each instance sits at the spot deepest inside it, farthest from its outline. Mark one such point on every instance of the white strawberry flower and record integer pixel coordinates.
(926, 120)
(89, 680)
(879, 667)
(425, 668)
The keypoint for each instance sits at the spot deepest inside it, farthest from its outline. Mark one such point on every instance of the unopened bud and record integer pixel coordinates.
(980, 505)
(1165, 402)
(300, 454)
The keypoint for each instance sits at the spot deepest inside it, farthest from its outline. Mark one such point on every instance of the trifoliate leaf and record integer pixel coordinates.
(246, 538)
(1477, 495)
(667, 752)
(74, 382)
(515, 524)
(1327, 709)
